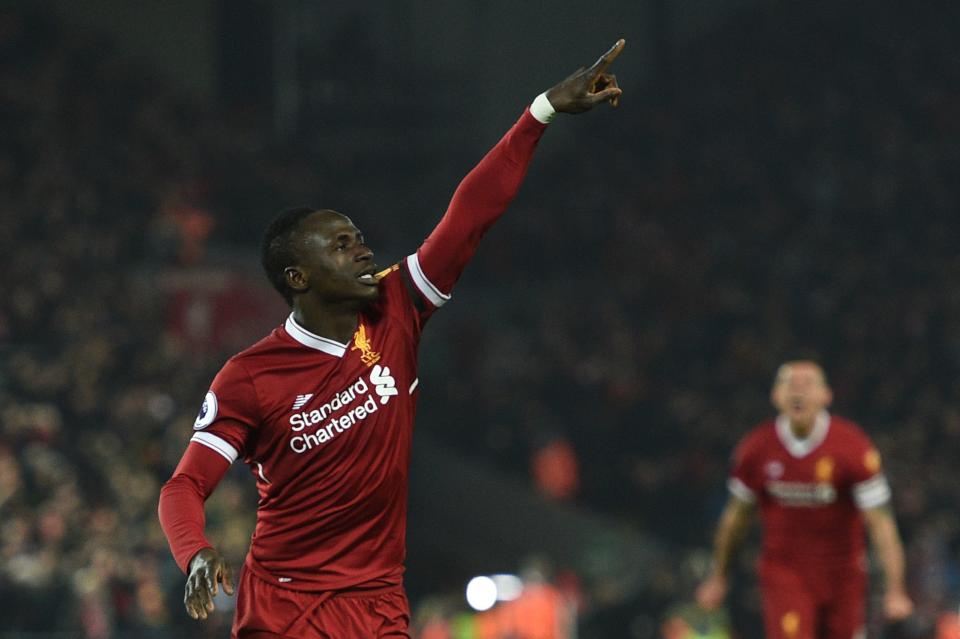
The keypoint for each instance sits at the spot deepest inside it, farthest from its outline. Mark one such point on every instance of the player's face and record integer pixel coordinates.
(801, 392)
(335, 262)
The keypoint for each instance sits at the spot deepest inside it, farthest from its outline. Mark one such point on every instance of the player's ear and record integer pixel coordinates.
(296, 278)
(827, 396)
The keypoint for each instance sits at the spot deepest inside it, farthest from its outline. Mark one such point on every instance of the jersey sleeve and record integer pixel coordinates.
(743, 482)
(180, 508)
(229, 413)
(401, 299)
(480, 199)
(869, 486)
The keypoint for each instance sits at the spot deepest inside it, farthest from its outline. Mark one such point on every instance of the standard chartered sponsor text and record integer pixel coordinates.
(357, 394)
(801, 494)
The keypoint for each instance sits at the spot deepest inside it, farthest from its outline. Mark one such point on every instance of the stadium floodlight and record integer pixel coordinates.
(481, 593)
(509, 587)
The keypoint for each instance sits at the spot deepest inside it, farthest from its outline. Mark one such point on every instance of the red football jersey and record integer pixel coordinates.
(810, 491)
(326, 427)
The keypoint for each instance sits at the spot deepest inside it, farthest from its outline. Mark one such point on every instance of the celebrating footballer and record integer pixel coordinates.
(322, 409)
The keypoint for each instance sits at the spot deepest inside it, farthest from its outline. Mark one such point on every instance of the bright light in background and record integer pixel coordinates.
(509, 587)
(481, 593)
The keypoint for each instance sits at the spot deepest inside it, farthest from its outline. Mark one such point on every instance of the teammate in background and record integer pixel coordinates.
(322, 409)
(816, 478)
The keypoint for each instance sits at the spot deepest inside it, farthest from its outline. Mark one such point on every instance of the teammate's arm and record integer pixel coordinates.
(732, 528)
(182, 519)
(871, 494)
(886, 541)
(488, 189)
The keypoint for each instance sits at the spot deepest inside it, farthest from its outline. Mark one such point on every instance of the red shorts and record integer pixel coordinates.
(266, 611)
(823, 605)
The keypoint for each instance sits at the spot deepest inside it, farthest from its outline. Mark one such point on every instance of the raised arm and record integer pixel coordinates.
(488, 189)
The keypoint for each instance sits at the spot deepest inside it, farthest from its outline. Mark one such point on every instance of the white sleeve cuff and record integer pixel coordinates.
(741, 491)
(542, 110)
(437, 297)
(871, 493)
(216, 444)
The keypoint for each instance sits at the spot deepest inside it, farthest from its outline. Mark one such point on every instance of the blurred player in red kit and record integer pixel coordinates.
(816, 478)
(322, 409)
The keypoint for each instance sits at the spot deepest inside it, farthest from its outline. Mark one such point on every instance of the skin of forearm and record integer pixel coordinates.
(730, 533)
(886, 541)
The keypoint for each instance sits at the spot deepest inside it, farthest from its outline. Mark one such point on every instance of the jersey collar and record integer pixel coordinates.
(312, 340)
(802, 447)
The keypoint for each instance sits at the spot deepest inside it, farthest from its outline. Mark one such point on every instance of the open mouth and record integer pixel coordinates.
(368, 276)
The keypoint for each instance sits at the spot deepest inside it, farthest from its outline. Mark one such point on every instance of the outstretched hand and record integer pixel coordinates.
(207, 569)
(588, 87)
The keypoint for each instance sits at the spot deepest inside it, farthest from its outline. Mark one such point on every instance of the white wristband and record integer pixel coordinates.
(542, 110)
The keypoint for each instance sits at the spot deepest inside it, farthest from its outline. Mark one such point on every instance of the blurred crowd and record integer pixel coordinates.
(785, 186)
(786, 189)
(107, 180)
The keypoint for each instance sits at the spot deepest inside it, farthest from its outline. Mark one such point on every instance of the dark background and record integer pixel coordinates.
(779, 181)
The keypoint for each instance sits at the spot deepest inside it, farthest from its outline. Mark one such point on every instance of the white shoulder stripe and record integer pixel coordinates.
(217, 444)
(740, 490)
(425, 286)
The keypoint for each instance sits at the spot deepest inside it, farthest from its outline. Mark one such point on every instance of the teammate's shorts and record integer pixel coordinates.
(813, 605)
(266, 611)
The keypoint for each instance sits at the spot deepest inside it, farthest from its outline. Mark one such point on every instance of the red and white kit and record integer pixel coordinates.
(326, 427)
(810, 493)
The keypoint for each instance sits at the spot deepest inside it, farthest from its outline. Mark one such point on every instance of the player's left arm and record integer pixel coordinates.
(488, 189)
(882, 527)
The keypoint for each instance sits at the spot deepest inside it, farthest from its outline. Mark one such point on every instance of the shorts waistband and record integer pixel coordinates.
(371, 592)
(351, 592)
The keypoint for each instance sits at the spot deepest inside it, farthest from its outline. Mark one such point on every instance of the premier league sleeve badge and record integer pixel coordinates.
(208, 412)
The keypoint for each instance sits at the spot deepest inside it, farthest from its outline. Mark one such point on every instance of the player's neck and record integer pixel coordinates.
(331, 321)
(801, 430)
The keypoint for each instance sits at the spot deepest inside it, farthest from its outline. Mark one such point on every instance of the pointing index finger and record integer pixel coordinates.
(604, 61)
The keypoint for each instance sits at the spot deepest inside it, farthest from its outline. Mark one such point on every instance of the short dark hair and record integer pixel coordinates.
(782, 369)
(278, 247)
